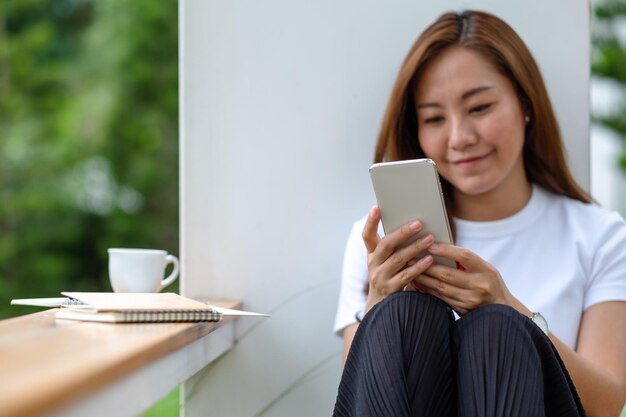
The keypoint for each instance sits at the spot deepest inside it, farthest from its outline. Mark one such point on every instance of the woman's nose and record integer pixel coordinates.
(461, 134)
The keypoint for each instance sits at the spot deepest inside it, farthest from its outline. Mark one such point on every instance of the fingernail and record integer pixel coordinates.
(415, 225)
(434, 246)
(428, 239)
(426, 260)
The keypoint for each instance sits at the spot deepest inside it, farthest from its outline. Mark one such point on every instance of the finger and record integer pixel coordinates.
(460, 299)
(415, 285)
(455, 277)
(440, 288)
(433, 285)
(467, 259)
(455, 304)
(400, 280)
(402, 258)
(417, 247)
(370, 230)
(404, 232)
(410, 273)
(386, 246)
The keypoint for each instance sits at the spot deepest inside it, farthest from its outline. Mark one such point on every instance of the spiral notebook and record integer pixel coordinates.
(136, 308)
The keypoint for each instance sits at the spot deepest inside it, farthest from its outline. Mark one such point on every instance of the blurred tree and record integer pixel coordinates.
(609, 61)
(88, 139)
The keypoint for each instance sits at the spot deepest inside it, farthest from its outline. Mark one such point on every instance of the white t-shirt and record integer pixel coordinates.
(558, 256)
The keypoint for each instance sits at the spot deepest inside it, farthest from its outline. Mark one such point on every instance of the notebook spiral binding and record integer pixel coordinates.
(163, 316)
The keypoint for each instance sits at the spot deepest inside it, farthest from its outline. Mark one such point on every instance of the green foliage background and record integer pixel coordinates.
(88, 140)
(609, 62)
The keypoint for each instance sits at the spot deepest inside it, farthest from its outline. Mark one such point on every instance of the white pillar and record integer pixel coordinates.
(281, 104)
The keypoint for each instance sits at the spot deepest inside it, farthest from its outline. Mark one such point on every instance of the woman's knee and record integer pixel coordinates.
(409, 311)
(491, 317)
(409, 304)
(498, 326)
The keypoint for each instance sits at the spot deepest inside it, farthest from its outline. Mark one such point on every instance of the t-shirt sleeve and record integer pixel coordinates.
(352, 297)
(608, 269)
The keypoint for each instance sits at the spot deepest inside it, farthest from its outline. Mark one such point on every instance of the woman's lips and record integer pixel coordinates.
(471, 161)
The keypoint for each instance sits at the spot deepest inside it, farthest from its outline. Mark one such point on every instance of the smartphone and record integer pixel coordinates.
(410, 190)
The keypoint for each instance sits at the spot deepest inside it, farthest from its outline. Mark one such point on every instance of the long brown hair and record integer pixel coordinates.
(543, 154)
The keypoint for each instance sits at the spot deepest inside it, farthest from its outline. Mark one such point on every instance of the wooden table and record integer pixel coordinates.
(67, 368)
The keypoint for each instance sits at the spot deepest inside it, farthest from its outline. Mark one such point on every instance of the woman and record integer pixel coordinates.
(541, 280)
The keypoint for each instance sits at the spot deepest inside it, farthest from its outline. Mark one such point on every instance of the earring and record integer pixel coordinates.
(527, 118)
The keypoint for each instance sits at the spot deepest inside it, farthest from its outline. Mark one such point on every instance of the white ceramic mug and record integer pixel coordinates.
(140, 270)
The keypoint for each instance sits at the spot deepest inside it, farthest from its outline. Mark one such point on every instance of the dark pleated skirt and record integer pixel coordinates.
(410, 357)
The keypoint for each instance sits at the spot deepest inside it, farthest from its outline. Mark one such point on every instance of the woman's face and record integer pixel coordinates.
(471, 123)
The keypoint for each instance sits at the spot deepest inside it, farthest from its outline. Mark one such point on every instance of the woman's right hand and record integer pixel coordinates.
(392, 269)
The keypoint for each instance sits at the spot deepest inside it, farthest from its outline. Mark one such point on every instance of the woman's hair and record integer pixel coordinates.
(496, 41)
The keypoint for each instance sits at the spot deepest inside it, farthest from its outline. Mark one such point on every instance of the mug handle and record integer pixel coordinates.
(170, 259)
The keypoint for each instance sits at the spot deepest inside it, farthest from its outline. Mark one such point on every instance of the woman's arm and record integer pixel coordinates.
(389, 270)
(597, 367)
(348, 336)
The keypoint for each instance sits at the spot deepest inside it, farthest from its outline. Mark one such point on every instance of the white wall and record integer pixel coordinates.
(281, 103)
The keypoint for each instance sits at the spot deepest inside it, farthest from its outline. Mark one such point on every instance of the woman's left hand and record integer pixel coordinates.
(473, 284)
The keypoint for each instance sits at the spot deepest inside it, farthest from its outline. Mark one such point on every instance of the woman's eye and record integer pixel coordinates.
(480, 108)
(433, 119)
